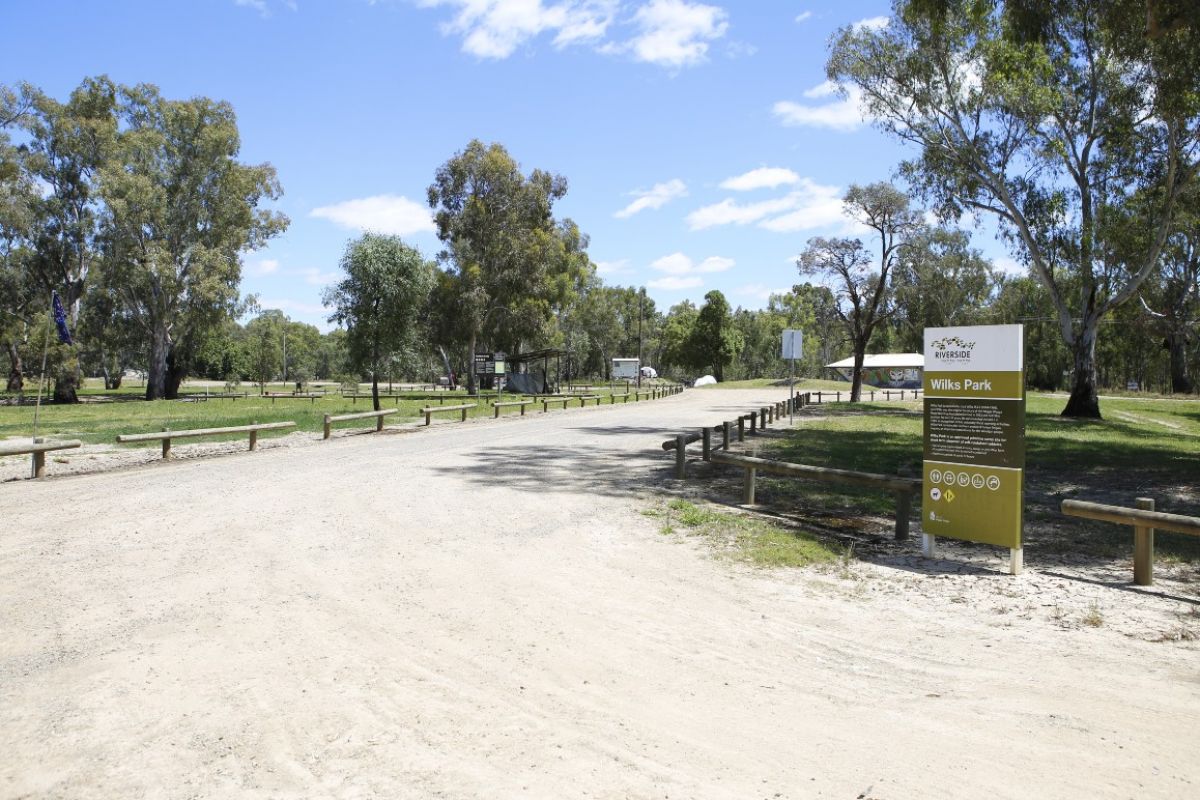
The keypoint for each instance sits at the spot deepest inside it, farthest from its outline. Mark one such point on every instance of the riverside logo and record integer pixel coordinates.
(952, 350)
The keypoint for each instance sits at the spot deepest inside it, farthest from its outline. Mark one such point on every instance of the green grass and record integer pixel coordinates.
(99, 422)
(1141, 448)
(744, 538)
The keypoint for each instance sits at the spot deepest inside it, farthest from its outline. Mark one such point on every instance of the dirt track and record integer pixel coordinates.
(480, 611)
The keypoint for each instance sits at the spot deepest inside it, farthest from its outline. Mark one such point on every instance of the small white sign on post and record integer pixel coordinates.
(793, 344)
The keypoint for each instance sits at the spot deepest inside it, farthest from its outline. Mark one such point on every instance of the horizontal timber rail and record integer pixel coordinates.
(165, 436)
(1144, 520)
(509, 404)
(378, 415)
(868, 395)
(680, 442)
(38, 450)
(902, 488)
(429, 411)
(312, 397)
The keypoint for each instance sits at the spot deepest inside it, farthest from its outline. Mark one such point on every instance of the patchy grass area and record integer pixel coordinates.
(745, 538)
(97, 421)
(1140, 449)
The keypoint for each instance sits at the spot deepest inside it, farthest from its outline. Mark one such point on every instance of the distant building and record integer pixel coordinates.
(885, 370)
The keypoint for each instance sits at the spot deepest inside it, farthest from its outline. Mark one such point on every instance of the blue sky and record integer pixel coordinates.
(701, 144)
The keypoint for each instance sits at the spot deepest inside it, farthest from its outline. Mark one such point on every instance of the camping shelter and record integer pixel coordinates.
(885, 370)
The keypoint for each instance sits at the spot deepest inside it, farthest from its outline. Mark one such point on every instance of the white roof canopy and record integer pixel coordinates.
(883, 361)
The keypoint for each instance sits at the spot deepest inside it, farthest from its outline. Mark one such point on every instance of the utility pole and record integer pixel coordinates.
(641, 297)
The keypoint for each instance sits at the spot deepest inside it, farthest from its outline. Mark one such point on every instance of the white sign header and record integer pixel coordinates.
(977, 348)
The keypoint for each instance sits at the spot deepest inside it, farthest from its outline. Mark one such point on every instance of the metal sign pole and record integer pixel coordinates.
(792, 391)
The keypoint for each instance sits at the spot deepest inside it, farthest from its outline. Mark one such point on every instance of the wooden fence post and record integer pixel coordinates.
(681, 456)
(253, 436)
(378, 424)
(166, 445)
(742, 428)
(706, 439)
(39, 464)
(753, 422)
(328, 427)
(725, 435)
(1143, 547)
(748, 487)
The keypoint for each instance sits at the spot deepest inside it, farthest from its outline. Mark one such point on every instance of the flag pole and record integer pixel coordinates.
(42, 378)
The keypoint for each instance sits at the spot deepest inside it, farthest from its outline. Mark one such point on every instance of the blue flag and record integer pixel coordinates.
(60, 319)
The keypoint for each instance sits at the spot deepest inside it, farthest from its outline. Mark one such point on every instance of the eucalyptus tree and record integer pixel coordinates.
(861, 281)
(379, 302)
(67, 148)
(505, 254)
(1048, 118)
(714, 341)
(940, 281)
(180, 211)
(18, 296)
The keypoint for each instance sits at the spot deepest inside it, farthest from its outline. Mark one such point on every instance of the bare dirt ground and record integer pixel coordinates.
(481, 611)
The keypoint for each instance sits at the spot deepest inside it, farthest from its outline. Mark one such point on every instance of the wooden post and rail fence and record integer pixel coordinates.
(38, 449)
(1144, 520)
(377, 415)
(165, 436)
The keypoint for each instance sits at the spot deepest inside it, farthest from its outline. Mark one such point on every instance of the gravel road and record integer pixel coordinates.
(480, 611)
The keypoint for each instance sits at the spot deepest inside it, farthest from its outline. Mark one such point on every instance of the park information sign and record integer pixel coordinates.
(975, 435)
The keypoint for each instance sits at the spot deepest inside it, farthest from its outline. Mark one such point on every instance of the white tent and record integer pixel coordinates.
(705, 380)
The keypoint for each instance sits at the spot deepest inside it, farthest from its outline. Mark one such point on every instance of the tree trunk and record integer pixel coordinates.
(472, 388)
(1084, 402)
(1181, 380)
(860, 349)
(16, 377)
(176, 371)
(66, 380)
(156, 379)
(375, 376)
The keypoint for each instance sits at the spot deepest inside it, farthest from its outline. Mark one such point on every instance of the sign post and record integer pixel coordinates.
(974, 467)
(793, 348)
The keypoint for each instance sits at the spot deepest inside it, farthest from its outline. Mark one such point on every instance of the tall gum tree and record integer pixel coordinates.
(181, 209)
(863, 286)
(503, 246)
(1049, 122)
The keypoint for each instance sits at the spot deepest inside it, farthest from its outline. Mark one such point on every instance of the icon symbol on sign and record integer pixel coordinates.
(949, 495)
(935, 494)
(964, 479)
(993, 483)
(977, 481)
(935, 476)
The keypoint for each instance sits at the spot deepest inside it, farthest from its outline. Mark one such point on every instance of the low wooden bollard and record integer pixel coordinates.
(1144, 520)
(327, 428)
(1143, 547)
(741, 421)
(429, 411)
(522, 403)
(725, 426)
(546, 403)
(681, 456)
(753, 416)
(748, 487)
(166, 435)
(37, 449)
(706, 442)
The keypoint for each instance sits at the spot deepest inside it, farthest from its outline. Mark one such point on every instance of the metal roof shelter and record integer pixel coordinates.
(893, 370)
(544, 356)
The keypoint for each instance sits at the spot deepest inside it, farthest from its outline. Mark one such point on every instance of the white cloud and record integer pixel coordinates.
(680, 266)
(496, 28)
(674, 282)
(803, 15)
(810, 205)
(730, 212)
(676, 33)
(284, 304)
(265, 266)
(1009, 266)
(385, 213)
(657, 197)
(618, 267)
(761, 178)
(263, 7)
(871, 23)
(840, 113)
(759, 291)
(315, 277)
